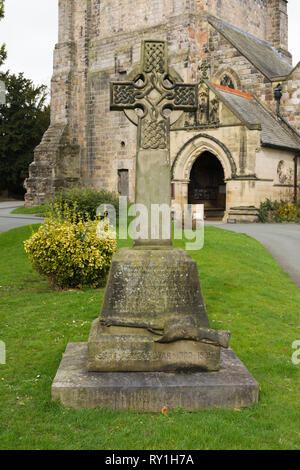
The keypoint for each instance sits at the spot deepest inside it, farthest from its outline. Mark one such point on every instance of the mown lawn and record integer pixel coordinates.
(245, 292)
(40, 211)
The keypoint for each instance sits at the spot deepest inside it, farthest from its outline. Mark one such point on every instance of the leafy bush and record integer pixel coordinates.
(298, 208)
(72, 251)
(286, 212)
(266, 210)
(86, 200)
(278, 211)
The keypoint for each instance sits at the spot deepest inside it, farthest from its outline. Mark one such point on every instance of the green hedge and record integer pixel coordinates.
(86, 200)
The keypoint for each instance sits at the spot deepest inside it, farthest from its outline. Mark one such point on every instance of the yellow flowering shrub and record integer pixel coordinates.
(279, 211)
(72, 251)
(287, 212)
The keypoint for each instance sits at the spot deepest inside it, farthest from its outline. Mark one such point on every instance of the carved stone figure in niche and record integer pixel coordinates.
(203, 110)
(203, 104)
(214, 112)
(227, 81)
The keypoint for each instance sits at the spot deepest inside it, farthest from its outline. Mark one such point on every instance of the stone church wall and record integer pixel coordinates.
(250, 16)
(290, 102)
(99, 41)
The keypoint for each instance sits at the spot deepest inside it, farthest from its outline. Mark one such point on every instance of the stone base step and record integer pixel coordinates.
(230, 387)
(214, 213)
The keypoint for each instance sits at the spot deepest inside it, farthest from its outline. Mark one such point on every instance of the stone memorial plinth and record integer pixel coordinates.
(152, 315)
(231, 387)
(152, 345)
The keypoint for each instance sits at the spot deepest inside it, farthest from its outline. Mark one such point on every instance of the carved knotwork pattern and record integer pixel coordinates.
(123, 94)
(155, 57)
(154, 135)
(153, 93)
(184, 95)
(204, 67)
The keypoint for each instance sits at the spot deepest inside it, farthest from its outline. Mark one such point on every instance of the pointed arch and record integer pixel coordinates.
(191, 150)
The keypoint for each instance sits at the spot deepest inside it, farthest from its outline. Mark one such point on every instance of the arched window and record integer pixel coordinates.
(227, 81)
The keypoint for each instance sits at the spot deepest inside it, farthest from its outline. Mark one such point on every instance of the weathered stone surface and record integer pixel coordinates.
(151, 315)
(153, 90)
(100, 42)
(150, 292)
(120, 349)
(153, 165)
(231, 387)
(148, 287)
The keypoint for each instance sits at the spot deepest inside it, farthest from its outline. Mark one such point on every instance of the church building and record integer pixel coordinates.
(239, 148)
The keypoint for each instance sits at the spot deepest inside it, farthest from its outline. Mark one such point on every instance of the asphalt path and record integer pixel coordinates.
(9, 221)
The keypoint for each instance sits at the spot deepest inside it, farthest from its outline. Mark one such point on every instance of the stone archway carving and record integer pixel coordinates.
(193, 148)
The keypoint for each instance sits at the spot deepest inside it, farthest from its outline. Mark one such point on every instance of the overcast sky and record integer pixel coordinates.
(29, 30)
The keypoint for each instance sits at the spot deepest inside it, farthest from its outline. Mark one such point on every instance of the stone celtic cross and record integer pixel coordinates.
(154, 93)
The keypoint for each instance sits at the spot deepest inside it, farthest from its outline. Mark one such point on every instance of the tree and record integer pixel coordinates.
(23, 120)
(2, 47)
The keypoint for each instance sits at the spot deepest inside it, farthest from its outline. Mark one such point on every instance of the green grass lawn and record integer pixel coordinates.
(40, 211)
(245, 291)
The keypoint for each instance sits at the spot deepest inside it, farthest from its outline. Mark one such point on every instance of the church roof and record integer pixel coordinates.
(255, 116)
(260, 53)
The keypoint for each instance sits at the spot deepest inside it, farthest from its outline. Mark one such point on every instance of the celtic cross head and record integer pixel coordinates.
(153, 93)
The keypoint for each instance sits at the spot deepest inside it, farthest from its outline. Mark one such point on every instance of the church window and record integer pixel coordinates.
(227, 81)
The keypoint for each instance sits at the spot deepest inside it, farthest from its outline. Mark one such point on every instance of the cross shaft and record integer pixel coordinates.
(153, 93)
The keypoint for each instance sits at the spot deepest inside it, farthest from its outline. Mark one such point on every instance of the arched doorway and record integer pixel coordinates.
(207, 185)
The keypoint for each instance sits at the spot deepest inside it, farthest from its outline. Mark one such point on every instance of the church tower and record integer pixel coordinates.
(265, 19)
(242, 45)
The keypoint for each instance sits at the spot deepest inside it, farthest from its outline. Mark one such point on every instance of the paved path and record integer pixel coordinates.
(9, 221)
(281, 240)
